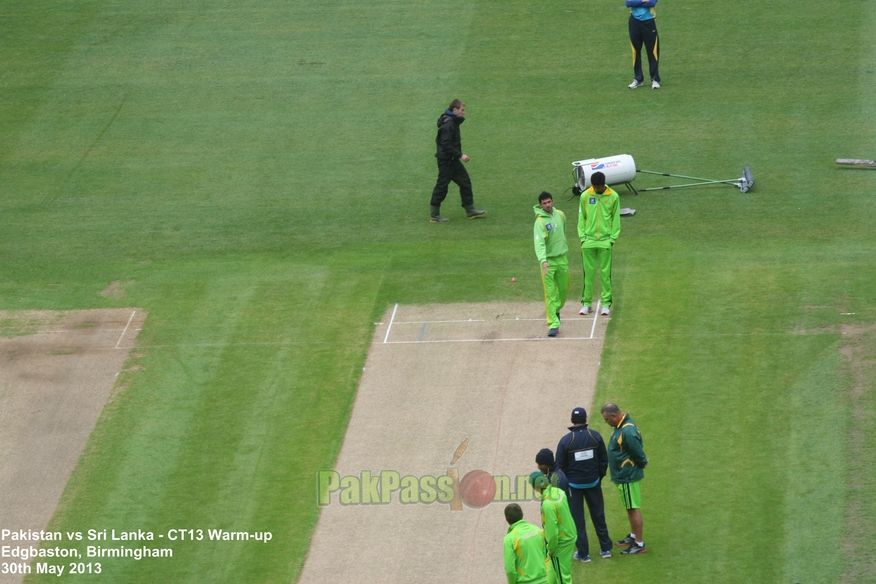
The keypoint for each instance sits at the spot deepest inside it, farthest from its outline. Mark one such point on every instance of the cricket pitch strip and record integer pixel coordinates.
(453, 405)
(57, 370)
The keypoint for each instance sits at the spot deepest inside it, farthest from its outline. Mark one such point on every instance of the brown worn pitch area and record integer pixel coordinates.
(481, 384)
(57, 370)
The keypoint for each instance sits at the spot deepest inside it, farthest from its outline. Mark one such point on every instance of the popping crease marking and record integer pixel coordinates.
(391, 319)
(437, 321)
(121, 336)
(538, 339)
(67, 332)
(595, 316)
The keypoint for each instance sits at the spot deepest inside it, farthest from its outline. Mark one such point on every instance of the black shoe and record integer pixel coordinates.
(635, 549)
(628, 540)
(473, 213)
(553, 332)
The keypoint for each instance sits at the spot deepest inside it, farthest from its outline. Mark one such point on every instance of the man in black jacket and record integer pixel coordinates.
(582, 456)
(450, 164)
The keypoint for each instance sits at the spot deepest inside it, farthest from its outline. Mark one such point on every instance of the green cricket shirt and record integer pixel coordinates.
(559, 527)
(524, 554)
(626, 453)
(549, 233)
(599, 218)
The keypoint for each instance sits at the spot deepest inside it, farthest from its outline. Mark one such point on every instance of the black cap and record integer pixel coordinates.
(579, 416)
(545, 456)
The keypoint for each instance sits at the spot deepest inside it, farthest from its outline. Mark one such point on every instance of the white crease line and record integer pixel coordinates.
(68, 331)
(517, 319)
(391, 319)
(539, 339)
(122, 336)
(595, 316)
(436, 321)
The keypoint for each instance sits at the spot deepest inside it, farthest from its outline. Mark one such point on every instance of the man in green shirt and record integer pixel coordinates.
(598, 229)
(523, 546)
(551, 249)
(627, 462)
(560, 532)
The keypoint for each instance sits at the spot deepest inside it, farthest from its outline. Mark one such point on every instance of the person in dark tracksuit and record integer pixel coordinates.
(450, 157)
(582, 456)
(643, 32)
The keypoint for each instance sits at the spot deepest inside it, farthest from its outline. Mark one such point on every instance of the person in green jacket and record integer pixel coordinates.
(551, 249)
(598, 229)
(560, 533)
(523, 547)
(627, 462)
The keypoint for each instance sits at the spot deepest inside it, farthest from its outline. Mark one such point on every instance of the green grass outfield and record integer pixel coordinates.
(256, 174)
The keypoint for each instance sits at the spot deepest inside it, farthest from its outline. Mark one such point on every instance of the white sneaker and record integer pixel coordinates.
(585, 310)
(655, 85)
(606, 311)
(636, 84)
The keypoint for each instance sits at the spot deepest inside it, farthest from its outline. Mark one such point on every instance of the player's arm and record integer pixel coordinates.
(551, 528)
(615, 220)
(562, 457)
(582, 219)
(539, 236)
(510, 560)
(602, 458)
(445, 140)
(633, 445)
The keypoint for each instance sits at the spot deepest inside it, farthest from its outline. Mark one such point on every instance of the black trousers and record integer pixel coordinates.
(596, 506)
(452, 170)
(644, 33)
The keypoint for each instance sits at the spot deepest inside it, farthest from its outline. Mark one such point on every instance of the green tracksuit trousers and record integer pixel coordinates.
(556, 288)
(561, 564)
(596, 259)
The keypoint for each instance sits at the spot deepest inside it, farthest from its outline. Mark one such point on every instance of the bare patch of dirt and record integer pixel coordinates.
(116, 289)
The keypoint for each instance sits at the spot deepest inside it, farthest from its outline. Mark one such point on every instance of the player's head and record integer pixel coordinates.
(612, 414)
(539, 481)
(544, 460)
(597, 179)
(546, 201)
(457, 106)
(513, 513)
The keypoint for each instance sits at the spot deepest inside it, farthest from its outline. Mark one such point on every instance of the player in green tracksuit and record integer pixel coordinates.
(627, 462)
(523, 549)
(551, 249)
(560, 533)
(598, 229)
